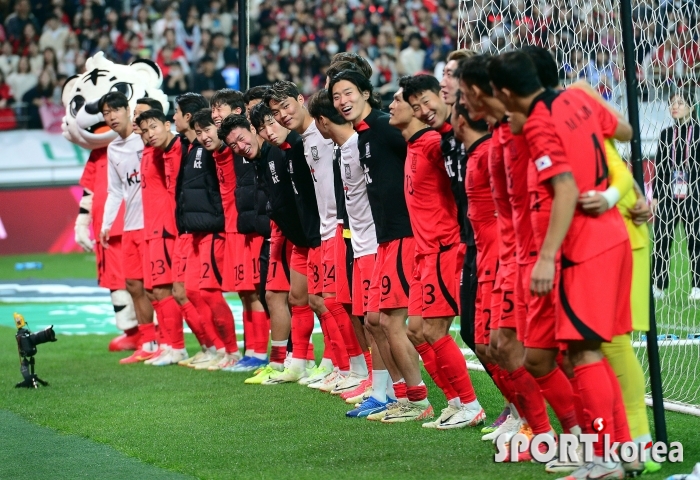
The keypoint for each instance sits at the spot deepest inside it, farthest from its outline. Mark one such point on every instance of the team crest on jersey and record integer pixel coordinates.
(367, 154)
(198, 159)
(348, 175)
(543, 162)
(314, 153)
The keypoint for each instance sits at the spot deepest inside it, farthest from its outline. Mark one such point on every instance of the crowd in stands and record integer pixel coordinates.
(195, 41)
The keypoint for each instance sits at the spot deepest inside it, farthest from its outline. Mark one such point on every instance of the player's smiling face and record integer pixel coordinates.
(208, 137)
(156, 132)
(289, 112)
(272, 132)
(243, 142)
(221, 111)
(449, 83)
(429, 108)
(400, 112)
(349, 101)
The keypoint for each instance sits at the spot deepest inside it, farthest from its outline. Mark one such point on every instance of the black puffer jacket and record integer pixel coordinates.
(251, 200)
(198, 200)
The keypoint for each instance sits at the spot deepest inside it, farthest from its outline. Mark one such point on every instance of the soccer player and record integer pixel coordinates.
(242, 272)
(200, 211)
(254, 96)
(287, 105)
(124, 183)
(565, 133)
(382, 154)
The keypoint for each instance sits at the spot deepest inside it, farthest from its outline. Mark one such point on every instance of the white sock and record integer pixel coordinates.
(180, 350)
(576, 430)
(149, 347)
(344, 373)
(358, 366)
(473, 405)
(514, 412)
(455, 402)
(211, 349)
(327, 363)
(259, 356)
(298, 364)
(380, 378)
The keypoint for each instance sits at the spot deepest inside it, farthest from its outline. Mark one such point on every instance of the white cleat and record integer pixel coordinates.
(464, 417)
(559, 466)
(162, 350)
(330, 385)
(351, 382)
(315, 374)
(446, 413)
(286, 376)
(228, 361)
(329, 380)
(208, 361)
(510, 427)
(197, 356)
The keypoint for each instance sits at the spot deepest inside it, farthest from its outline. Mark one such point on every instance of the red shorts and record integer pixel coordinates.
(522, 299)
(233, 255)
(594, 296)
(482, 313)
(362, 270)
(390, 285)
(208, 254)
(280, 262)
(300, 259)
(504, 289)
(415, 294)
(242, 260)
(110, 266)
(157, 264)
(540, 331)
(133, 247)
(342, 279)
(314, 269)
(181, 250)
(438, 276)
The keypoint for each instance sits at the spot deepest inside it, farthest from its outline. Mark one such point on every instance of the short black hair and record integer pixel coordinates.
(255, 93)
(228, 96)
(545, 64)
(343, 60)
(114, 100)
(473, 71)
(202, 118)
(362, 83)
(191, 103)
(280, 91)
(414, 85)
(231, 123)
(151, 102)
(476, 125)
(152, 114)
(516, 72)
(320, 104)
(258, 115)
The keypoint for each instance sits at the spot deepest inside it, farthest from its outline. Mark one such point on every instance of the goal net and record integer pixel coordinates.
(585, 37)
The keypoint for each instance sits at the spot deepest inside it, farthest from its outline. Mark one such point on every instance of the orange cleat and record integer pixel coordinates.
(139, 355)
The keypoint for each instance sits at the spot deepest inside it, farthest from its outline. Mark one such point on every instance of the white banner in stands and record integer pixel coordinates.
(37, 157)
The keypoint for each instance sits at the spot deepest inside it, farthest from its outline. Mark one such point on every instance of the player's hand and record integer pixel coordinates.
(104, 238)
(640, 213)
(654, 205)
(593, 203)
(542, 278)
(82, 232)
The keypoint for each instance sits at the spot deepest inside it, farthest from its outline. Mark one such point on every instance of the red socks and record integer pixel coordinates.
(598, 400)
(427, 354)
(248, 331)
(342, 319)
(148, 333)
(341, 355)
(310, 353)
(206, 318)
(302, 327)
(622, 430)
(417, 393)
(368, 360)
(189, 312)
(503, 382)
(278, 354)
(401, 390)
(172, 319)
(223, 318)
(451, 361)
(556, 389)
(531, 400)
(261, 331)
(162, 335)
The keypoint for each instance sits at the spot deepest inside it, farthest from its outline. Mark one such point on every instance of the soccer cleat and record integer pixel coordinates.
(350, 383)
(179, 355)
(360, 398)
(595, 471)
(510, 427)
(139, 355)
(409, 412)
(315, 374)
(213, 359)
(658, 293)
(245, 365)
(258, 364)
(634, 468)
(197, 356)
(565, 466)
(498, 422)
(465, 417)
(227, 363)
(329, 383)
(285, 376)
(125, 342)
(446, 413)
(651, 466)
(368, 407)
(694, 294)
(163, 360)
(207, 356)
(393, 406)
(261, 376)
(525, 456)
(160, 351)
(331, 378)
(357, 391)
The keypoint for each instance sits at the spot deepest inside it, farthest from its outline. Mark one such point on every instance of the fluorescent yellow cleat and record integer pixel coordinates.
(261, 376)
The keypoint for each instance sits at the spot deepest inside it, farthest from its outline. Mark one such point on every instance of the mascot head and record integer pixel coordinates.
(83, 123)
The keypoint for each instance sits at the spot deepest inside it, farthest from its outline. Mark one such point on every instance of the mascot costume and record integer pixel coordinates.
(84, 125)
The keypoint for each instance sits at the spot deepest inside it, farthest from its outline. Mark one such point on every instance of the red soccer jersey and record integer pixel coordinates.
(172, 159)
(499, 190)
(516, 156)
(158, 204)
(431, 205)
(94, 178)
(481, 209)
(565, 132)
(227, 187)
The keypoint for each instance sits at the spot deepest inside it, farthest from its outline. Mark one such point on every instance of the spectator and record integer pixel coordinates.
(15, 23)
(50, 61)
(38, 96)
(55, 35)
(8, 120)
(170, 20)
(193, 32)
(209, 79)
(176, 82)
(8, 60)
(21, 80)
(436, 52)
(664, 61)
(170, 52)
(412, 57)
(216, 20)
(67, 63)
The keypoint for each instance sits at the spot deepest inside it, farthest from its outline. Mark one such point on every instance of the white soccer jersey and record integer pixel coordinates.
(319, 156)
(364, 236)
(124, 182)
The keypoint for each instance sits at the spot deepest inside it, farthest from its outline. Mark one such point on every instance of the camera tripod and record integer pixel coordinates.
(30, 378)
